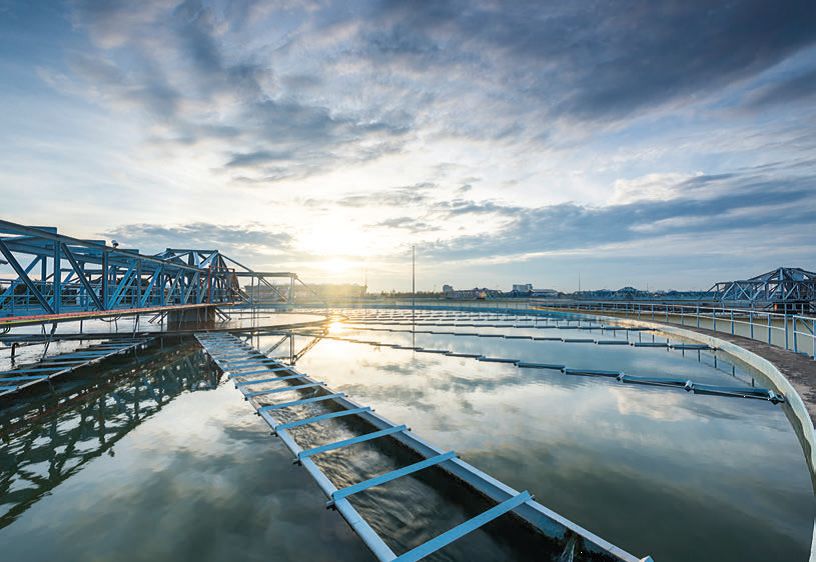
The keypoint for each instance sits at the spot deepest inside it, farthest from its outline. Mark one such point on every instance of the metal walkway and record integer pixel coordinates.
(248, 367)
(50, 368)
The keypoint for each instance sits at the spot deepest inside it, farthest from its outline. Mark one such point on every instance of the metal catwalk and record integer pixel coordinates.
(249, 368)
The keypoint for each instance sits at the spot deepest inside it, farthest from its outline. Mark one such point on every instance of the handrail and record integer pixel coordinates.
(793, 332)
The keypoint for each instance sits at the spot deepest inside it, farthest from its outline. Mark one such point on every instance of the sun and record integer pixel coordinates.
(336, 266)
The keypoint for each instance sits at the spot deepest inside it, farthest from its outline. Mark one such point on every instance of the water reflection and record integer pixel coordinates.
(47, 441)
(198, 477)
(679, 476)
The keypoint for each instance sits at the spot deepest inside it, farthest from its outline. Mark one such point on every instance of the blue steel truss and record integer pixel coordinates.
(784, 285)
(50, 274)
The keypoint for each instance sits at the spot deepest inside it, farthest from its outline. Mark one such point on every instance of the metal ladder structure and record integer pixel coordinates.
(248, 367)
(50, 368)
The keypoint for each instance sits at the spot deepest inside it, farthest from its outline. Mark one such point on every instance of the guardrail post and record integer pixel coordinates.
(786, 331)
(714, 318)
(751, 322)
(698, 315)
(769, 329)
(795, 339)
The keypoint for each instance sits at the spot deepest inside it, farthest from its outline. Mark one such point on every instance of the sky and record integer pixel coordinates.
(665, 144)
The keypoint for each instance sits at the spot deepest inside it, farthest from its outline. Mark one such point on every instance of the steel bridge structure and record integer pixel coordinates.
(790, 287)
(46, 276)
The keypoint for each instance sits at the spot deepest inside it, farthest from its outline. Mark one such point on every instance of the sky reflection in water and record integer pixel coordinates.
(655, 471)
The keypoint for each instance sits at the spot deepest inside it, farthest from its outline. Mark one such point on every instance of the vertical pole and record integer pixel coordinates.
(105, 280)
(57, 277)
(732, 321)
(795, 339)
(751, 322)
(413, 280)
(769, 328)
(138, 283)
(413, 294)
(43, 275)
(786, 328)
(252, 300)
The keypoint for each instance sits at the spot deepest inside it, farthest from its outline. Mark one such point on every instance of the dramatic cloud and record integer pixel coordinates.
(338, 134)
(701, 207)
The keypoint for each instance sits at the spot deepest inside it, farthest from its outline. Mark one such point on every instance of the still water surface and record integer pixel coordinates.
(157, 460)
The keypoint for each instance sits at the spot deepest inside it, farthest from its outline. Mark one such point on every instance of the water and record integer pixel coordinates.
(191, 476)
(195, 475)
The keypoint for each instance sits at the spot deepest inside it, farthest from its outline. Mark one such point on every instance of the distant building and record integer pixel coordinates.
(545, 293)
(313, 292)
(471, 294)
(525, 288)
(447, 289)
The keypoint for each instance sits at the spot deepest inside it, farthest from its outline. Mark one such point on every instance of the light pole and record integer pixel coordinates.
(413, 293)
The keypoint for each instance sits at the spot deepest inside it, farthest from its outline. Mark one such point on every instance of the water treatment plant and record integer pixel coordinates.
(139, 393)
(394, 280)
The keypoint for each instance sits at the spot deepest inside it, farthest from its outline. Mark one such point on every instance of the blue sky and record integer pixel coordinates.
(668, 144)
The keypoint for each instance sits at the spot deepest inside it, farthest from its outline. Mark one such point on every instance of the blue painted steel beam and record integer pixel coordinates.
(463, 529)
(553, 366)
(156, 275)
(255, 373)
(47, 370)
(28, 268)
(322, 417)
(273, 379)
(285, 388)
(258, 360)
(25, 278)
(351, 441)
(300, 402)
(393, 475)
(117, 291)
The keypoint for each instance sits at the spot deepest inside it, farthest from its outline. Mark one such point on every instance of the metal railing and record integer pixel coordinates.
(794, 332)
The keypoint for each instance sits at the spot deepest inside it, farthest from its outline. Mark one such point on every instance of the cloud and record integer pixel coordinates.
(702, 206)
(408, 195)
(651, 187)
(352, 83)
(407, 223)
(235, 241)
(540, 128)
(592, 60)
(175, 63)
(250, 159)
(794, 89)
